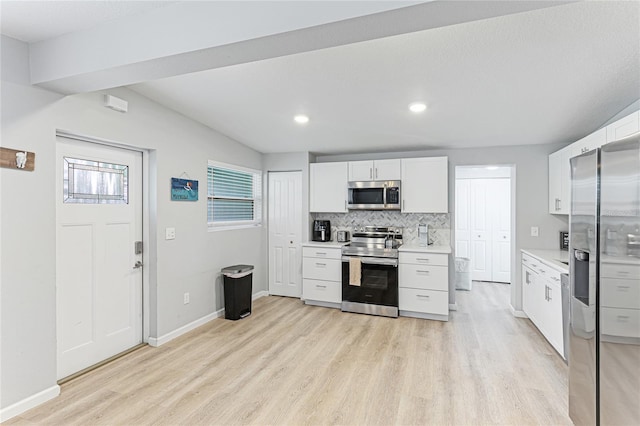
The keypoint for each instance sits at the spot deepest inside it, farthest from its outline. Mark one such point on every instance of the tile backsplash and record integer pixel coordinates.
(439, 224)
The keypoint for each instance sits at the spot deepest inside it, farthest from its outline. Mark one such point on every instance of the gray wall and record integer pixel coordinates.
(190, 263)
(531, 166)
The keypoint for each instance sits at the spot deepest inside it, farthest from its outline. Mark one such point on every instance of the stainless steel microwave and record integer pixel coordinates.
(376, 195)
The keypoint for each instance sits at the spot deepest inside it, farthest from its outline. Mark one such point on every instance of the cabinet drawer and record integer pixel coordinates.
(620, 322)
(322, 269)
(617, 293)
(425, 277)
(617, 270)
(325, 253)
(423, 301)
(424, 258)
(530, 261)
(322, 291)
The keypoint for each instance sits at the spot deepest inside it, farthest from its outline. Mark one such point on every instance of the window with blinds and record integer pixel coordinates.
(234, 196)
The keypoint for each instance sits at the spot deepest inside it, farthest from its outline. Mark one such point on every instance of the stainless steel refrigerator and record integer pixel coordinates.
(604, 252)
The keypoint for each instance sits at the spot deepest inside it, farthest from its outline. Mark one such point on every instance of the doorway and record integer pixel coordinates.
(99, 274)
(285, 233)
(483, 221)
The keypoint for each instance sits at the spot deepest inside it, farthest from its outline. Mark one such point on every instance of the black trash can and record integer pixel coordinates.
(237, 291)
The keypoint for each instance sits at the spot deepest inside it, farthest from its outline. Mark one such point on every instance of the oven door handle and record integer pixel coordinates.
(373, 260)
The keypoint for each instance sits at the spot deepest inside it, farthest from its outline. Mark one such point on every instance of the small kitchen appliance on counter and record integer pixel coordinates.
(343, 236)
(321, 230)
(564, 240)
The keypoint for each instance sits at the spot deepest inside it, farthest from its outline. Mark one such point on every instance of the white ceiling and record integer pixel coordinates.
(33, 21)
(544, 76)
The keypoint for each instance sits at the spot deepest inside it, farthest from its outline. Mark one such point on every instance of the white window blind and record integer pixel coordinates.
(234, 196)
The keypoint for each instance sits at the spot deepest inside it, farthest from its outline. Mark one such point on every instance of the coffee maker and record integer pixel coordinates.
(321, 230)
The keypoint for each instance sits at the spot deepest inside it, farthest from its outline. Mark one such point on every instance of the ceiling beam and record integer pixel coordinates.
(188, 37)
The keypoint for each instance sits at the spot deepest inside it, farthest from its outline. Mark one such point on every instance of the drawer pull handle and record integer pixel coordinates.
(421, 259)
(623, 318)
(321, 286)
(318, 253)
(422, 272)
(623, 287)
(321, 264)
(422, 295)
(623, 272)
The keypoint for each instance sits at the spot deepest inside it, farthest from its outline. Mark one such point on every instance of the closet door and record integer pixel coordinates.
(481, 261)
(500, 206)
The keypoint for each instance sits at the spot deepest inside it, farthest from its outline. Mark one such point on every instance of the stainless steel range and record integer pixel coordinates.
(370, 271)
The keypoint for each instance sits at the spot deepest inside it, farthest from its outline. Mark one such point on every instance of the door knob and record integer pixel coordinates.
(138, 265)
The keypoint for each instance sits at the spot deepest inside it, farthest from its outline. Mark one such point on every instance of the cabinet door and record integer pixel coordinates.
(553, 315)
(560, 180)
(555, 182)
(328, 187)
(425, 185)
(528, 277)
(360, 171)
(586, 144)
(387, 170)
(624, 127)
(565, 180)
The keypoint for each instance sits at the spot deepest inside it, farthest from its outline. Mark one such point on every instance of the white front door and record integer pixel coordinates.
(99, 285)
(285, 233)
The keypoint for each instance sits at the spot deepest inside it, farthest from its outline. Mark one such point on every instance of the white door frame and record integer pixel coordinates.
(516, 285)
(146, 231)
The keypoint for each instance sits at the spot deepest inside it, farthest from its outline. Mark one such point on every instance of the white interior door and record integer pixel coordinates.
(285, 233)
(480, 230)
(501, 230)
(99, 285)
(463, 218)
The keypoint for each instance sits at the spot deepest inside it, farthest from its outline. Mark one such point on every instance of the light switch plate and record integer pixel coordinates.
(534, 231)
(170, 234)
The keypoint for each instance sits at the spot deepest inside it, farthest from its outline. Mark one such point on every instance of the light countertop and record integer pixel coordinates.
(553, 258)
(425, 249)
(327, 244)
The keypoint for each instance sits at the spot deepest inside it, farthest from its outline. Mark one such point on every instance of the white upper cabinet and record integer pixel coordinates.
(586, 144)
(328, 187)
(559, 161)
(374, 170)
(555, 163)
(560, 181)
(624, 127)
(425, 185)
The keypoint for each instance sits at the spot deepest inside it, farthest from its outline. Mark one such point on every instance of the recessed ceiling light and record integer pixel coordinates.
(301, 119)
(417, 106)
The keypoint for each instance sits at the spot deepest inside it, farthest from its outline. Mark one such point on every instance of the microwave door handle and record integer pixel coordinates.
(384, 195)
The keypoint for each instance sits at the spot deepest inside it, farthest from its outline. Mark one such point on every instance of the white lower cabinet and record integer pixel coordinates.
(423, 285)
(542, 299)
(322, 276)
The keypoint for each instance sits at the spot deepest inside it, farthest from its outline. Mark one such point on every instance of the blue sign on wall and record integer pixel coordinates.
(184, 189)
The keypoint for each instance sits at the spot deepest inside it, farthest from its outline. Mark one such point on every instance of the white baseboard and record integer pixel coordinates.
(29, 403)
(259, 294)
(157, 341)
(518, 314)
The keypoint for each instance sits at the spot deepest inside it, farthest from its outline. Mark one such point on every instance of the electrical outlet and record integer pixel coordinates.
(170, 234)
(186, 298)
(534, 231)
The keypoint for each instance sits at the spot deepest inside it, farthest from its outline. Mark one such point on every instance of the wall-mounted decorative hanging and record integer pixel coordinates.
(184, 189)
(17, 159)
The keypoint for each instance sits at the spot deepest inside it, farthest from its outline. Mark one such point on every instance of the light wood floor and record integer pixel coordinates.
(294, 364)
